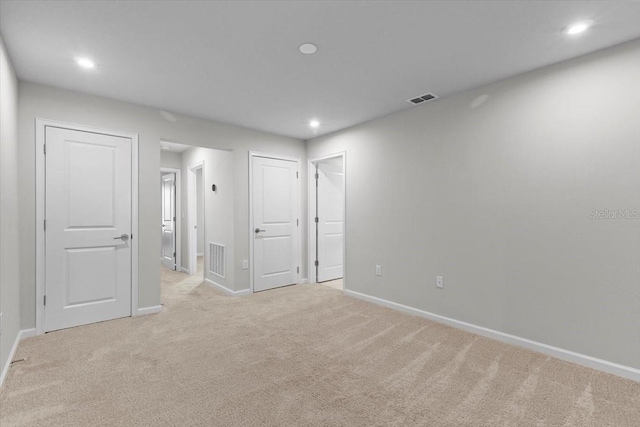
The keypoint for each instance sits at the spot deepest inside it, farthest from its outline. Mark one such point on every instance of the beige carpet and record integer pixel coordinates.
(297, 356)
(335, 284)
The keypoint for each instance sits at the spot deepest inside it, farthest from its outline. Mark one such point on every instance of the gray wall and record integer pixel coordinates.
(170, 159)
(9, 220)
(218, 208)
(493, 189)
(58, 104)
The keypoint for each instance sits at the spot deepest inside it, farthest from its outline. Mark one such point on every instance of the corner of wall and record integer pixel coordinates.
(9, 221)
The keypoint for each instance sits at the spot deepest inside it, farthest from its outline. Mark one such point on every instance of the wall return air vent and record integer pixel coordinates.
(423, 98)
(216, 259)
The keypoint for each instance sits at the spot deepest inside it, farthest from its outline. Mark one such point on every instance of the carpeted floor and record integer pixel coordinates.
(335, 284)
(297, 356)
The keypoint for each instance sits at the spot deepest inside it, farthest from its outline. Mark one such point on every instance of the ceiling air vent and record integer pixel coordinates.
(423, 98)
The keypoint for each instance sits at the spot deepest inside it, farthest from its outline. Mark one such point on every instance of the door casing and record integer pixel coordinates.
(311, 239)
(178, 214)
(41, 125)
(253, 154)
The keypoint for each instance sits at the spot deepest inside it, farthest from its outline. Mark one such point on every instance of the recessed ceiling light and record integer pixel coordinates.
(314, 123)
(308, 48)
(85, 62)
(578, 27)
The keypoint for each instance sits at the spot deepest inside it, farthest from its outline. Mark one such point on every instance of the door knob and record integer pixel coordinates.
(123, 237)
(257, 230)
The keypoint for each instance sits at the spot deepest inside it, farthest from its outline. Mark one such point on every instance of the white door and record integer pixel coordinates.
(275, 223)
(88, 228)
(330, 214)
(168, 255)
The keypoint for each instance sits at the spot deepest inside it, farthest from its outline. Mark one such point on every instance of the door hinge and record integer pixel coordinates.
(45, 225)
(297, 222)
(298, 269)
(317, 263)
(45, 300)
(317, 220)
(44, 149)
(174, 219)
(296, 174)
(317, 176)
(174, 254)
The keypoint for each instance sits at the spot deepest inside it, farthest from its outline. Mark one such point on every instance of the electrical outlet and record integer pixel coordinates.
(245, 264)
(439, 282)
(378, 270)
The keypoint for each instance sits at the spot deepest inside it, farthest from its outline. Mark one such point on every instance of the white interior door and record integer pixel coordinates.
(168, 255)
(275, 222)
(330, 214)
(88, 228)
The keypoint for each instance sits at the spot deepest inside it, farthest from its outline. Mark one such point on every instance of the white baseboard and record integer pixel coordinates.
(27, 333)
(304, 281)
(227, 290)
(23, 334)
(184, 270)
(559, 353)
(143, 311)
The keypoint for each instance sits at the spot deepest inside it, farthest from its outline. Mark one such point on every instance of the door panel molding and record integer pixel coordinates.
(296, 160)
(41, 125)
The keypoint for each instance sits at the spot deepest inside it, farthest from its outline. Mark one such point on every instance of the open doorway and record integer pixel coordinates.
(182, 208)
(327, 220)
(203, 219)
(170, 214)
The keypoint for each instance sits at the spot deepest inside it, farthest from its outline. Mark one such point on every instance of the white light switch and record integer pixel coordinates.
(439, 282)
(245, 264)
(378, 270)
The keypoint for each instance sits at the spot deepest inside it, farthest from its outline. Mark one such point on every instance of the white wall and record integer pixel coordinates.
(218, 208)
(493, 189)
(9, 219)
(67, 106)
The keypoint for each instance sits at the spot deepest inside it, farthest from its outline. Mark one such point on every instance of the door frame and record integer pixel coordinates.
(178, 223)
(41, 124)
(192, 204)
(311, 240)
(252, 155)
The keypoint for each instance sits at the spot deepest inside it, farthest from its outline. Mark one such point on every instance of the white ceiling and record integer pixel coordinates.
(238, 62)
(174, 146)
